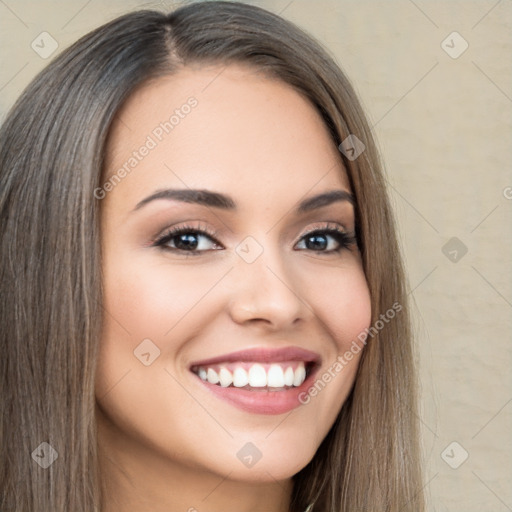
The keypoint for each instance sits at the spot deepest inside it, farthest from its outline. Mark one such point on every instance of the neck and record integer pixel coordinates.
(136, 477)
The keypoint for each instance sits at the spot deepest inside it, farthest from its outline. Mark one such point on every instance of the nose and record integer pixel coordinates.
(267, 293)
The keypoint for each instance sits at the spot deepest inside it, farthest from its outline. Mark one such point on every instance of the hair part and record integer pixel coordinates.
(51, 160)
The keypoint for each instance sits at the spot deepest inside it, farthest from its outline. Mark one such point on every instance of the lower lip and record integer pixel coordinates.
(261, 401)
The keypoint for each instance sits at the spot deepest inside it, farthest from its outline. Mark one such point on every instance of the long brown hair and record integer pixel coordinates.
(52, 150)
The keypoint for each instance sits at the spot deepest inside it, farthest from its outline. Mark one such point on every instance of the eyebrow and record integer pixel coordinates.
(224, 202)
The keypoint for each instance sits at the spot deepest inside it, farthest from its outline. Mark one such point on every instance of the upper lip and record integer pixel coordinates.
(263, 355)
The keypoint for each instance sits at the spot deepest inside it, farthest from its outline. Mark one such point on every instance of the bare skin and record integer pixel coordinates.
(167, 444)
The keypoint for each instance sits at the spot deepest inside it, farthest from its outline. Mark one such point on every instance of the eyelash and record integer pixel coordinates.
(344, 239)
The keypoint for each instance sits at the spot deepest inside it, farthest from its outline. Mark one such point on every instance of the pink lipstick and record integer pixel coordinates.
(260, 380)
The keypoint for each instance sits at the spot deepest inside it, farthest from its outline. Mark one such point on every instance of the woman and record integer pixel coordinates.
(204, 304)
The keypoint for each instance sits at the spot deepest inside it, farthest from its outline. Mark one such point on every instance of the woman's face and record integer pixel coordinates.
(258, 299)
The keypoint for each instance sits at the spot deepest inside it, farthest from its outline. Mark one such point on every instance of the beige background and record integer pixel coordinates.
(444, 128)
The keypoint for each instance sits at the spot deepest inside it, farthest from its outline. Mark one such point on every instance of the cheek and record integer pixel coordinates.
(342, 302)
(150, 298)
(144, 300)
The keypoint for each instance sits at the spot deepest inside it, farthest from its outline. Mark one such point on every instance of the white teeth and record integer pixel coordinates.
(275, 377)
(225, 377)
(289, 376)
(257, 376)
(300, 375)
(240, 378)
(212, 377)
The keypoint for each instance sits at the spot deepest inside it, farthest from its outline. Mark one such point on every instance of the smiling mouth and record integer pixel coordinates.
(259, 380)
(255, 376)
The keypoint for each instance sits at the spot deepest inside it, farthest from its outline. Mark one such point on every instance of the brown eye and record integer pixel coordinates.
(188, 239)
(327, 240)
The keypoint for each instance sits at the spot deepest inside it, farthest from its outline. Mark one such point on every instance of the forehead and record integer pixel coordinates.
(221, 128)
